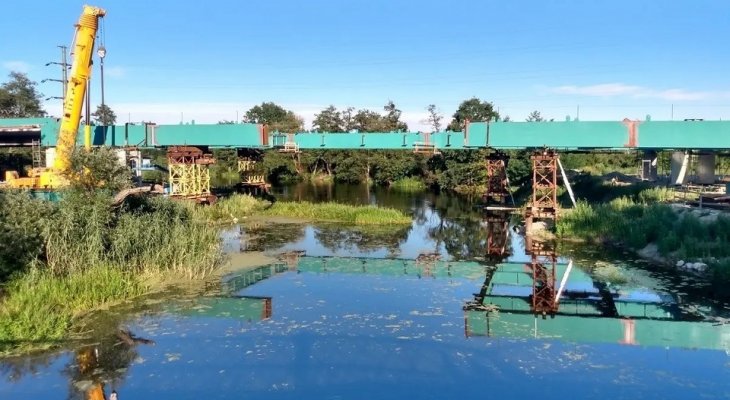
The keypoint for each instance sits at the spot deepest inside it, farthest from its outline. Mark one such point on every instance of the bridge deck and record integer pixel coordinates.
(570, 135)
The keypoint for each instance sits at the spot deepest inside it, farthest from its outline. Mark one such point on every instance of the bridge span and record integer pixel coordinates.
(567, 135)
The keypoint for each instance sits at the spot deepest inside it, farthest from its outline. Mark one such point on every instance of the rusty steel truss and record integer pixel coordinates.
(544, 204)
(497, 182)
(189, 174)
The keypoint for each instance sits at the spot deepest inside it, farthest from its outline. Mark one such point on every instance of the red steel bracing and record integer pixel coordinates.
(544, 185)
(497, 184)
(264, 134)
(633, 128)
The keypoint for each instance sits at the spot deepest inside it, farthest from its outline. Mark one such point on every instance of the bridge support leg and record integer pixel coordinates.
(679, 165)
(648, 167)
(189, 175)
(497, 183)
(706, 163)
(253, 180)
(544, 202)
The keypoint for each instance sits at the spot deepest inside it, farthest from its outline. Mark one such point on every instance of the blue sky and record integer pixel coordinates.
(210, 60)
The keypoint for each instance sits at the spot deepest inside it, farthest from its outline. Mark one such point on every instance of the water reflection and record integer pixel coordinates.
(440, 309)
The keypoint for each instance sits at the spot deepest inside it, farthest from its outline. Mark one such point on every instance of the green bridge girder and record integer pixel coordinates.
(568, 135)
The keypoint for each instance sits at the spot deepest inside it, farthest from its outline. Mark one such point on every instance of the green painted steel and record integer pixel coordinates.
(391, 267)
(240, 308)
(568, 135)
(647, 332)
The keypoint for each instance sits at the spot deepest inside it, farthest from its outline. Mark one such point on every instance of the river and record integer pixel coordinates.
(352, 313)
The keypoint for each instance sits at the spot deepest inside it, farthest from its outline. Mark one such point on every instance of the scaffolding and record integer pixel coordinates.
(189, 174)
(544, 201)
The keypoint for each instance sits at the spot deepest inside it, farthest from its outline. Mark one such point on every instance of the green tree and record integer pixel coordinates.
(473, 110)
(368, 121)
(275, 116)
(434, 117)
(19, 97)
(104, 115)
(391, 120)
(348, 119)
(328, 120)
(535, 117)
(98, 168)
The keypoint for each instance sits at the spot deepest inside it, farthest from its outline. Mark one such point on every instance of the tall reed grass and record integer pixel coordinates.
(409, 185)
(680, 235)
(80, 255)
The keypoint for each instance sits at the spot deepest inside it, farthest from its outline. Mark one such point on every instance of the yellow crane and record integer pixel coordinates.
(82, 51)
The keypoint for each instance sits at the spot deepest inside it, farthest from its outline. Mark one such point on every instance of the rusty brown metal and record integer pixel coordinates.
(544, 204)
(633, 128)
(543, 268)
(497, 237)
(188, 155)
(497, 183)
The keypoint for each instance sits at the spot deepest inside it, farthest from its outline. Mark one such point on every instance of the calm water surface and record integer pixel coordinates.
(359, 318)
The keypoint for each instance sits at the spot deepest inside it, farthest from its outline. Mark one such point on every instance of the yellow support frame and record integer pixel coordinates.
(189, 179)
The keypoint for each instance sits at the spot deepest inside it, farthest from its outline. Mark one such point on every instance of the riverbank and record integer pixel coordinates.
(61, 262)
(664, 233)
(237, 207)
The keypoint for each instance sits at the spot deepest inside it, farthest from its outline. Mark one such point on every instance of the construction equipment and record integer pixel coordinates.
(82, 51)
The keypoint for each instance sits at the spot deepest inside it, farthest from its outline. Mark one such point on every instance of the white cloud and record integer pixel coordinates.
(115, 72)
(621, 89)
(601, 90)
(18, 66)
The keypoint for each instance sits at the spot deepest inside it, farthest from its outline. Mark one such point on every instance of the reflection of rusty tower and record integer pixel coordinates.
(497, 236)
(542, 268)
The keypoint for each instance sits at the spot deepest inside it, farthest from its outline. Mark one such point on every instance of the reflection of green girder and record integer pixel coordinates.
(239, 308)
(644, 332)
(499, 135)
(243, 280)
(588, 307)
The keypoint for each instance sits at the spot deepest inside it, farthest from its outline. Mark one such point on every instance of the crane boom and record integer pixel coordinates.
(73, 101)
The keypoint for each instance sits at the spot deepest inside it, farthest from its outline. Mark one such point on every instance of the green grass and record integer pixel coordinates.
(39, 307)
(335, 212)
(84, 255)
(229, 209)
(409, 185)
(678, 235)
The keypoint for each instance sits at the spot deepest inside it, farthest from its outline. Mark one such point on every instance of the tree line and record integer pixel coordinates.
(20, 98)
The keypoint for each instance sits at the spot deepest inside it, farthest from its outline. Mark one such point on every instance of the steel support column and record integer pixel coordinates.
(544, 201)
(497, 183)
(189, 174)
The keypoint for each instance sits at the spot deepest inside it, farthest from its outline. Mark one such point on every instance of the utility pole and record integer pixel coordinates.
(64, 75)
